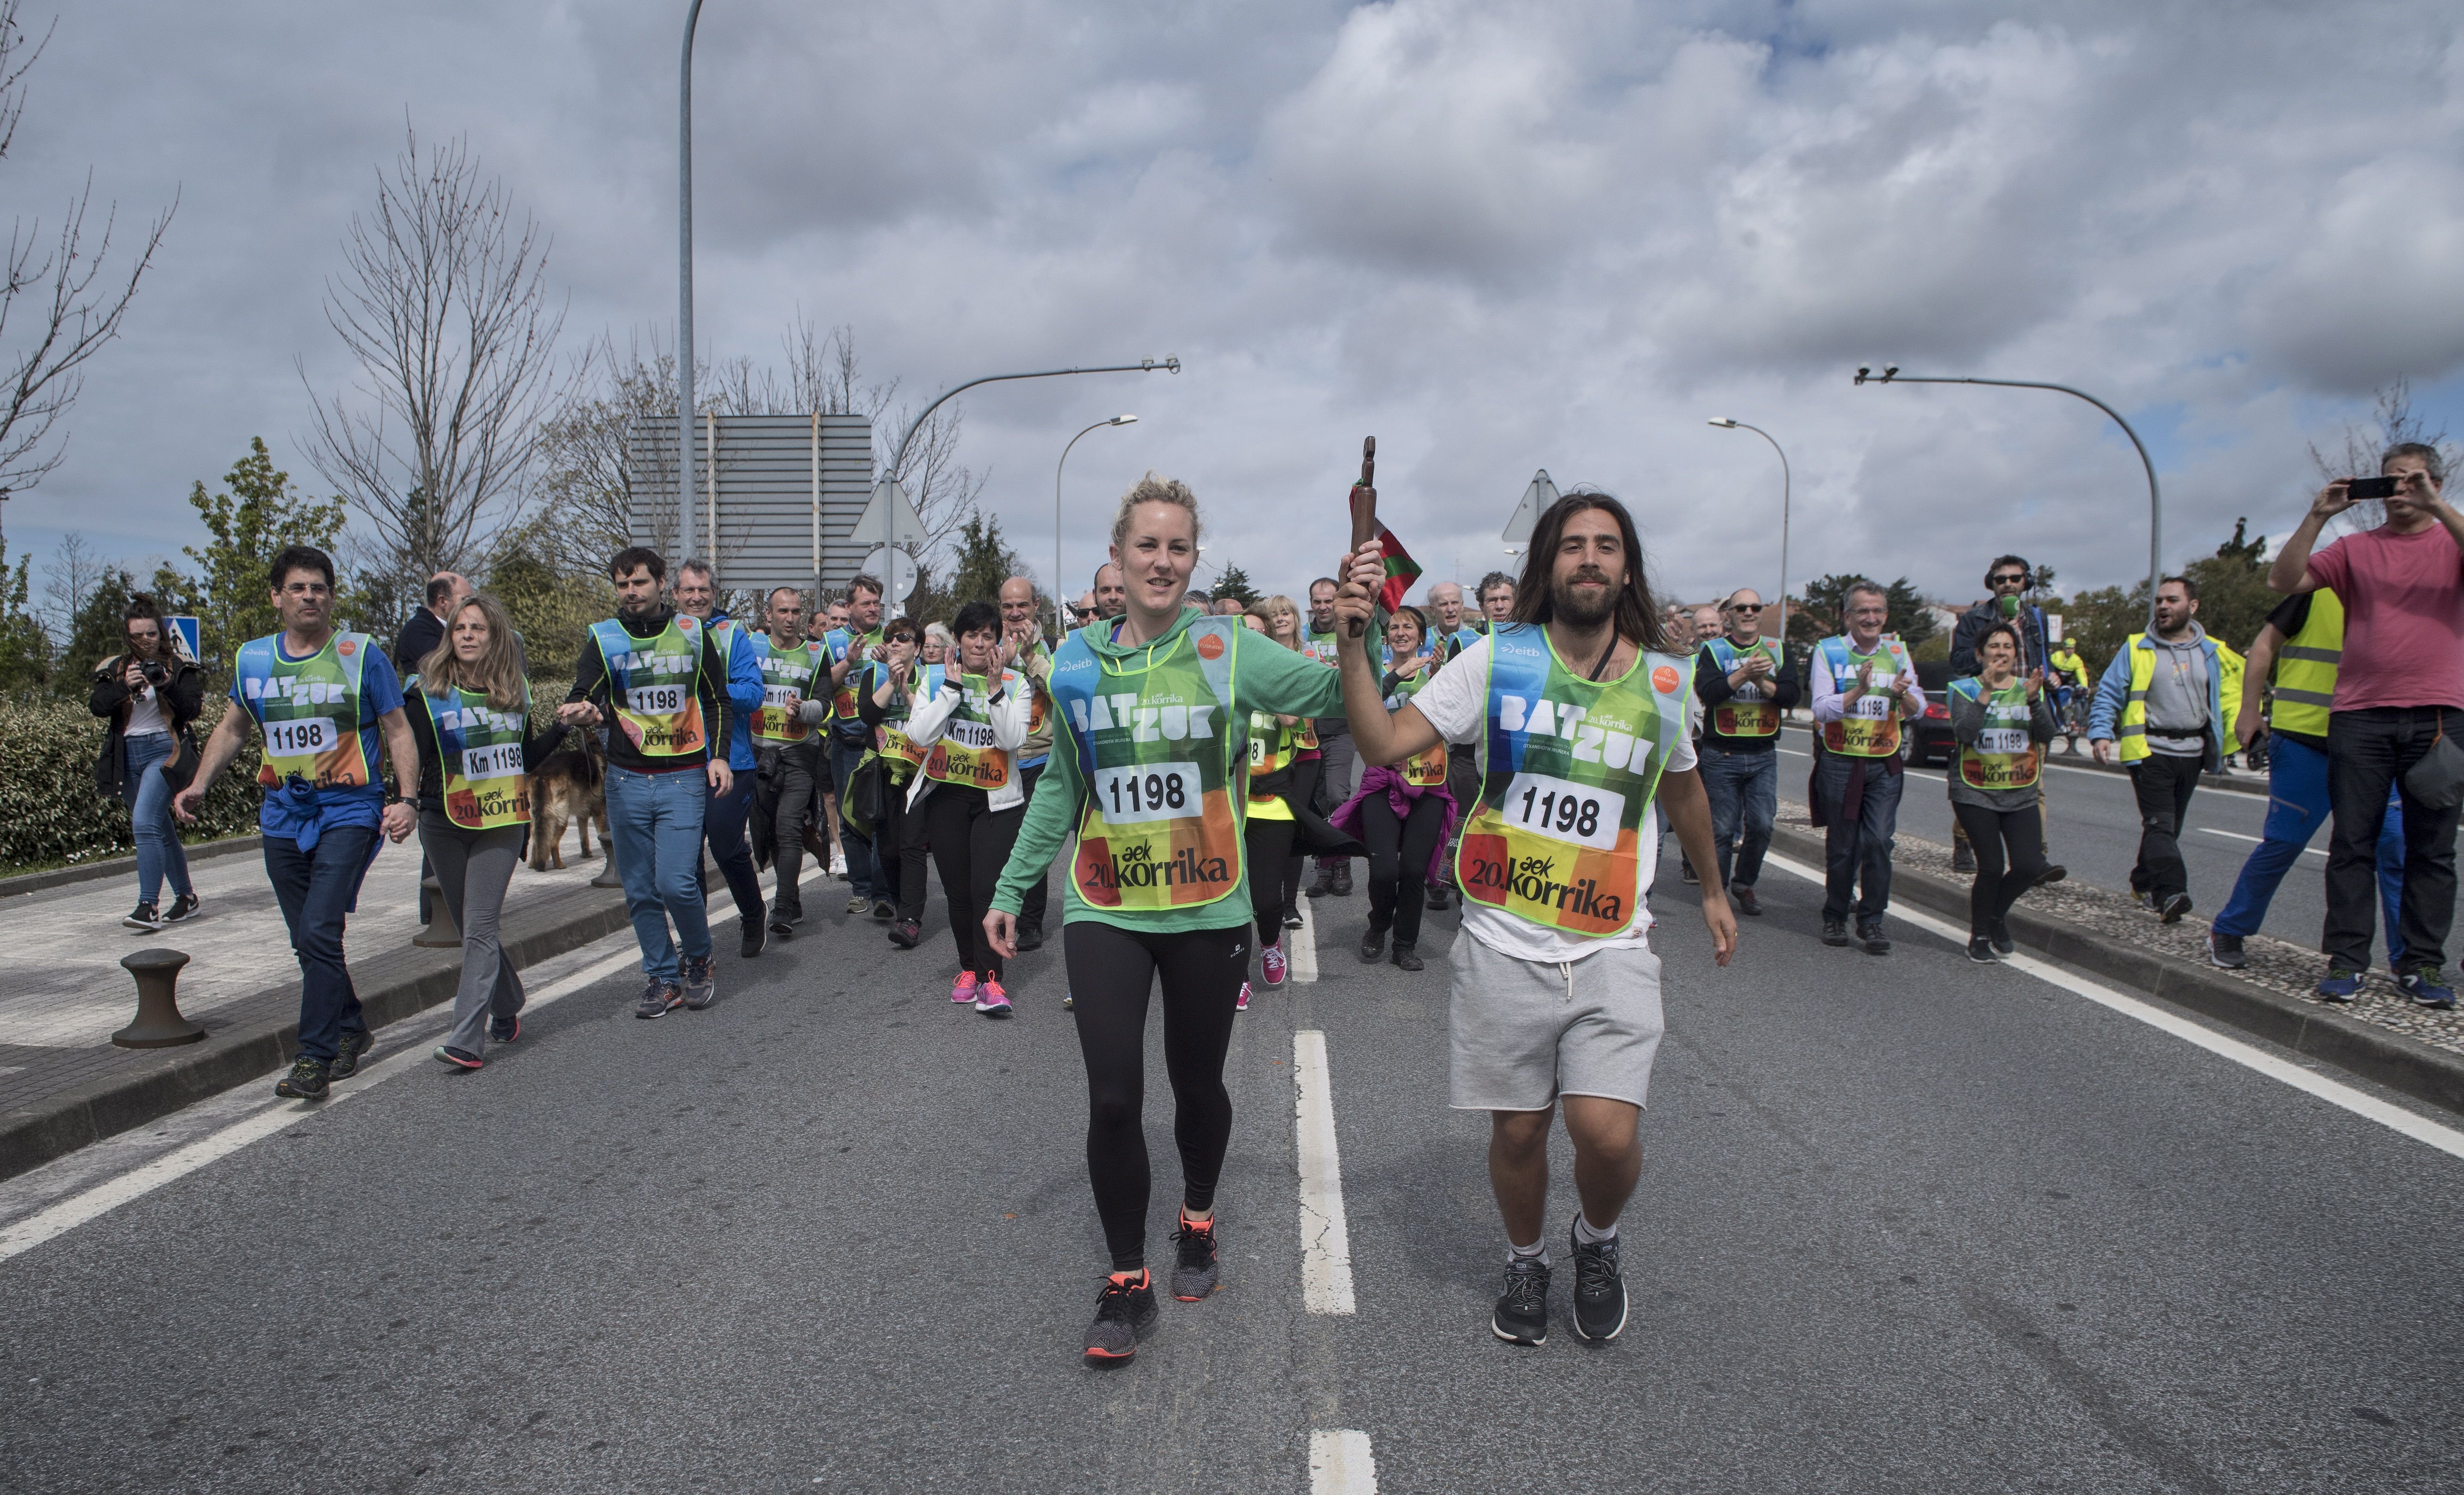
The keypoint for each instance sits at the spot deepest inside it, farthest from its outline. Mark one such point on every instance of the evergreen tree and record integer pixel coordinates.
(25, 648)
(1233, 581)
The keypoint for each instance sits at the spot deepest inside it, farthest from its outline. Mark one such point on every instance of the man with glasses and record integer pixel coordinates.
(2007, 580)
(1745, 694)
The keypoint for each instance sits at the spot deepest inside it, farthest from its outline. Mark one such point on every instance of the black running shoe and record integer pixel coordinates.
(1125, 1314)
(907, 933)
(1522, 1316)
(2051, 875)
(1835, 932)
(1193, 1273)
(1373, 945)
(1030, 937)
(1406, 956)
(1875, 941)
(756, 937)
(1963, 858)
(1437, 896)
(2175, 907)
(307, 1081)
(1291, 915)
(144, 917)
(504, 1030)
(1981, 950)
(782, 920)
(884, 911)
(2000, 934)
(183, 907)
(701, 985)
(2224, 952)
(346, 1057)
(1600, 1289)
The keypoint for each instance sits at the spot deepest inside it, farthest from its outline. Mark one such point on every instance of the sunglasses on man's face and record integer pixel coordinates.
(2011, 579)
(1745, 606)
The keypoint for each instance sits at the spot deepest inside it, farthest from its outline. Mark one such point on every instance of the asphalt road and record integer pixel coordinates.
(1905, 1224)
(2095, 833)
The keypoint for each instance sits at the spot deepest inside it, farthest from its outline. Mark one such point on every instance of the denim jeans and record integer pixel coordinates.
(723, 822)
(2297, 806)
(656, 820)
(2368, 750)
(158, 853)
(1744, 790)
(1857, 851)
(315, 889)
(864, 872)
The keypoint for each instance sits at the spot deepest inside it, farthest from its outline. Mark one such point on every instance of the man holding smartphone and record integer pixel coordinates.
(2399, 698)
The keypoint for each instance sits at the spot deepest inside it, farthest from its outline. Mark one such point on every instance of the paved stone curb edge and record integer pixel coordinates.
(2398, 1062)
(117, 866)
(412, 980)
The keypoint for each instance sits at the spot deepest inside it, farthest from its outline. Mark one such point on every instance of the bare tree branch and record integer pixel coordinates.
(442, 305)
(75, 308)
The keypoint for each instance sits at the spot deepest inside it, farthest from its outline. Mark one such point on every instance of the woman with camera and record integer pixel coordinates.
(150, 693)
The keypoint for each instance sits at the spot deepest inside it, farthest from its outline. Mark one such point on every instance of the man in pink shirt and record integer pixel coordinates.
(2399, 688)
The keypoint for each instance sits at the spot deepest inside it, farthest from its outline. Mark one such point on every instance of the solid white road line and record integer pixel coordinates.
(1340, 1462)
(1300, 946)
(2254, 840)
(276, 1115)
(2395, 1118)
(1325, 1241)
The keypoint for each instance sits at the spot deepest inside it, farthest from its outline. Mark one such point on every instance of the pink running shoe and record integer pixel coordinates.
(1242, 1005)
(1272, 959)
(965, 989)
(991, 1001)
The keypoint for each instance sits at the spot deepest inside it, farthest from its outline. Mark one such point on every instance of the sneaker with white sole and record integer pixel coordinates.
(990, 999)
(1276, 967)
(1242, 1003)
(963, 990)
(184, 906)
(145, 916)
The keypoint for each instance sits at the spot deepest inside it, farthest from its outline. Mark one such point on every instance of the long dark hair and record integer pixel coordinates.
(1638, 615)
(166, 645)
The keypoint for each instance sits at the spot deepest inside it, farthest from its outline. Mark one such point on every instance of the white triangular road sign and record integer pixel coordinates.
(1536, 500)
(889, 520)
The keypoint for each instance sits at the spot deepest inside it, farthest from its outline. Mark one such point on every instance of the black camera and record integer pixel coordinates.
(2359, 489)
(157, 674)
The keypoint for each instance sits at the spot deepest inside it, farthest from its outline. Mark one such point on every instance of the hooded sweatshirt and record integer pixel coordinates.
(2177, 693)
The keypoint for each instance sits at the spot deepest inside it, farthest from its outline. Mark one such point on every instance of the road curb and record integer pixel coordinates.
(120, 866)
(394, 985)
(2400, 1063)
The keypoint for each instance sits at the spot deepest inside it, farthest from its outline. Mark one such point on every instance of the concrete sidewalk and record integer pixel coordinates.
(62, 1083)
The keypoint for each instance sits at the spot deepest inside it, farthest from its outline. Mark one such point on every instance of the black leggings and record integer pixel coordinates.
(1266, 845)
(1110, 971)
(971, 842)
(1398, 862)
(899, 841)
(1989, 832)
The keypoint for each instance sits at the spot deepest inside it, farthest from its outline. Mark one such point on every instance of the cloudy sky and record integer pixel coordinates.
(1501, 237)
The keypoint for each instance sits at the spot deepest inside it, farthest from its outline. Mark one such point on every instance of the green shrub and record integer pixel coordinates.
(50, 812)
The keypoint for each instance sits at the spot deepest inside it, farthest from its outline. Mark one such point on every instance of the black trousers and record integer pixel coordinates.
(1398, 862)
(971, 843)
(2000, 879)
(1267, 846)
(902, 843)
(2164, 785)
(2368, 750)
(780, 796)
(1111, 971)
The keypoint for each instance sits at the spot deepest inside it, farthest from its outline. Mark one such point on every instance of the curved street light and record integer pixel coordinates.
(1891, 375)
(1726, 424)
(1057, 584)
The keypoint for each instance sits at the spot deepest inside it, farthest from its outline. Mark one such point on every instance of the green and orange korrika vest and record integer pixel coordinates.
(1567, 768)
(1426, 768)
(1155, 739)
(1736, 719)
(786, 674)
(1874, 729)
(965, 752)
(308, 708)
(2004, 754)
(655, 685)
(479, 751)
(923, 683)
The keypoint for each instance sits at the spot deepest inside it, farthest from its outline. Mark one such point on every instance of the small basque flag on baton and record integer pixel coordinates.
(1401, 571)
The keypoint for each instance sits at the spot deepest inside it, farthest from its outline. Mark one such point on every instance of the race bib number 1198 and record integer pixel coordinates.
(304, 737)
(1147, 792)
(1563, 810)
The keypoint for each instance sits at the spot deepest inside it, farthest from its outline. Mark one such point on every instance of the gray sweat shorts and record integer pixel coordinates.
(1523, 1033)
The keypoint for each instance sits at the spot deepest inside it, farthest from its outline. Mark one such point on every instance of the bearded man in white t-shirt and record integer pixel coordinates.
(1578, 709)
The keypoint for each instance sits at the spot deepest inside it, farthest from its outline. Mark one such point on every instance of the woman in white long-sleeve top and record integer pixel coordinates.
(969, 790)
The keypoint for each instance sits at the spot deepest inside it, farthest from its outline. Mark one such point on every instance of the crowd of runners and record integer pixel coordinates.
(1516, 757)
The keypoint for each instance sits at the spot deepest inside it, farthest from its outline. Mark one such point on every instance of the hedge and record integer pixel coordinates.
(50, 811)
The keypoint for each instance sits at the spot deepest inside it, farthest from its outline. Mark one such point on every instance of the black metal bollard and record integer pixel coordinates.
(159, 1023)
(440, 933)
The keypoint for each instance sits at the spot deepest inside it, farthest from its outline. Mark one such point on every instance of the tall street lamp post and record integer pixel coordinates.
(685, 292)
(1726, 424)
(1891, 375)
(1058, 600)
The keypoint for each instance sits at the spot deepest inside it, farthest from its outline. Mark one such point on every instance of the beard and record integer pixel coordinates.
(1580, 606)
